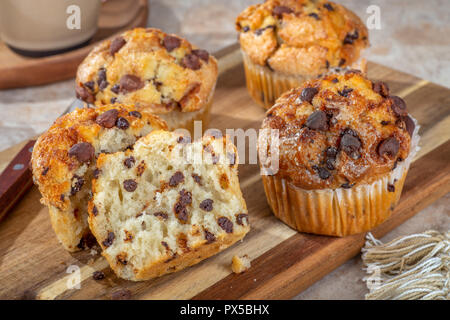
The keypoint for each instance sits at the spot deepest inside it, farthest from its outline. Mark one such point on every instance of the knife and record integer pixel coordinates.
(16, 179)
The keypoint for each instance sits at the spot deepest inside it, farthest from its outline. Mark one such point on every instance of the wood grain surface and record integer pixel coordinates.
(115, 17)
(284, 262)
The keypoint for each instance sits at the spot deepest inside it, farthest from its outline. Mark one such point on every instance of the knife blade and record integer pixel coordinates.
(16, 179)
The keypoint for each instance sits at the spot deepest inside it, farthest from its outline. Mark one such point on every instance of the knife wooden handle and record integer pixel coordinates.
(16, 179)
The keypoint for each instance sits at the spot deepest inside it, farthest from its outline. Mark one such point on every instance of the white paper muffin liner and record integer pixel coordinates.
(339, 212)
(266, 86)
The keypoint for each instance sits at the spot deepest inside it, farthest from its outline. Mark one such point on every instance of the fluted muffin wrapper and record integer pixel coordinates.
(266, 86)
(339, 212)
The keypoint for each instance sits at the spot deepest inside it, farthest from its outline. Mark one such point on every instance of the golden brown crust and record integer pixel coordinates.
(301, 37)
(51, 151)
(149, 68)
(346, 131)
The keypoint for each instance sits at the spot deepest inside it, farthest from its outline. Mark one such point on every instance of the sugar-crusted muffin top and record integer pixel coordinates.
(65, 153)
(148, 68)
(301, 36)
(339, 131)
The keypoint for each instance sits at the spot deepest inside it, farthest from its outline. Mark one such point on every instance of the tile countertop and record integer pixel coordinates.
(413, 38)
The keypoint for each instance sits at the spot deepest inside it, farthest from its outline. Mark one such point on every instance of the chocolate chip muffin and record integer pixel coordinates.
(63, 162)
(345, 145)
(156, 211)
(285, 42)
(151, 69)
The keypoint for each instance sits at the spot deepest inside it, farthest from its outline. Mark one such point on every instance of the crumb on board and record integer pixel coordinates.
(240, 264)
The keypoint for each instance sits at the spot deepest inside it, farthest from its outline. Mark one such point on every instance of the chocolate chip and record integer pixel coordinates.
(330, 164)
(225, 224)
(202, 54)
(409, 123)
(317, 121)
(122, 123)
(344, 92)
(113, 100)
(327, 64)
(102, 83)
(129, 162)
(351, 37)
(83, 151)
(109, 240)
(191, 61)
(116, 45)
(83, 94)
(381, 88)
(44, 172)
(209, 237)
(135, 114)
(122, 294)
(323, 173)
(388, 147)
(185, 197)
(181, 211)
(98, 275)
(161, 215)
(130, 185)
(165, 245)
(335, 80)
(341, 62)
(96, 173)
(171, 42)
(391, 187)
(122, 257)
(108, 118)
(308, 94)
(79, 182)
(176, 179)
(384, 122)
(197, 179)
(328, 6)
(246, 28)
(278, 11)
(94, 210)
(206, 205)
(87, 241)
(331, 152)
(259, 32)
(130, 83)
(314, 15)
(351, 144)
(90, 85)
(398, 106)
(347, 185)
(62, 197)
(240, 219)
(115, 88)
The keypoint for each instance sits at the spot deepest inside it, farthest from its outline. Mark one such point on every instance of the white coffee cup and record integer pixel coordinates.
(42, 27)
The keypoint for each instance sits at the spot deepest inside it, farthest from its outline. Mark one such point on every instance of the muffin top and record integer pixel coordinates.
(339, 131)
(147, 68)
(301, 36)
(66, 150)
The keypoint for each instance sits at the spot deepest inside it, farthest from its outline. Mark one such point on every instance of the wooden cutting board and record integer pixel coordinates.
(115, 17)
(284, 262)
